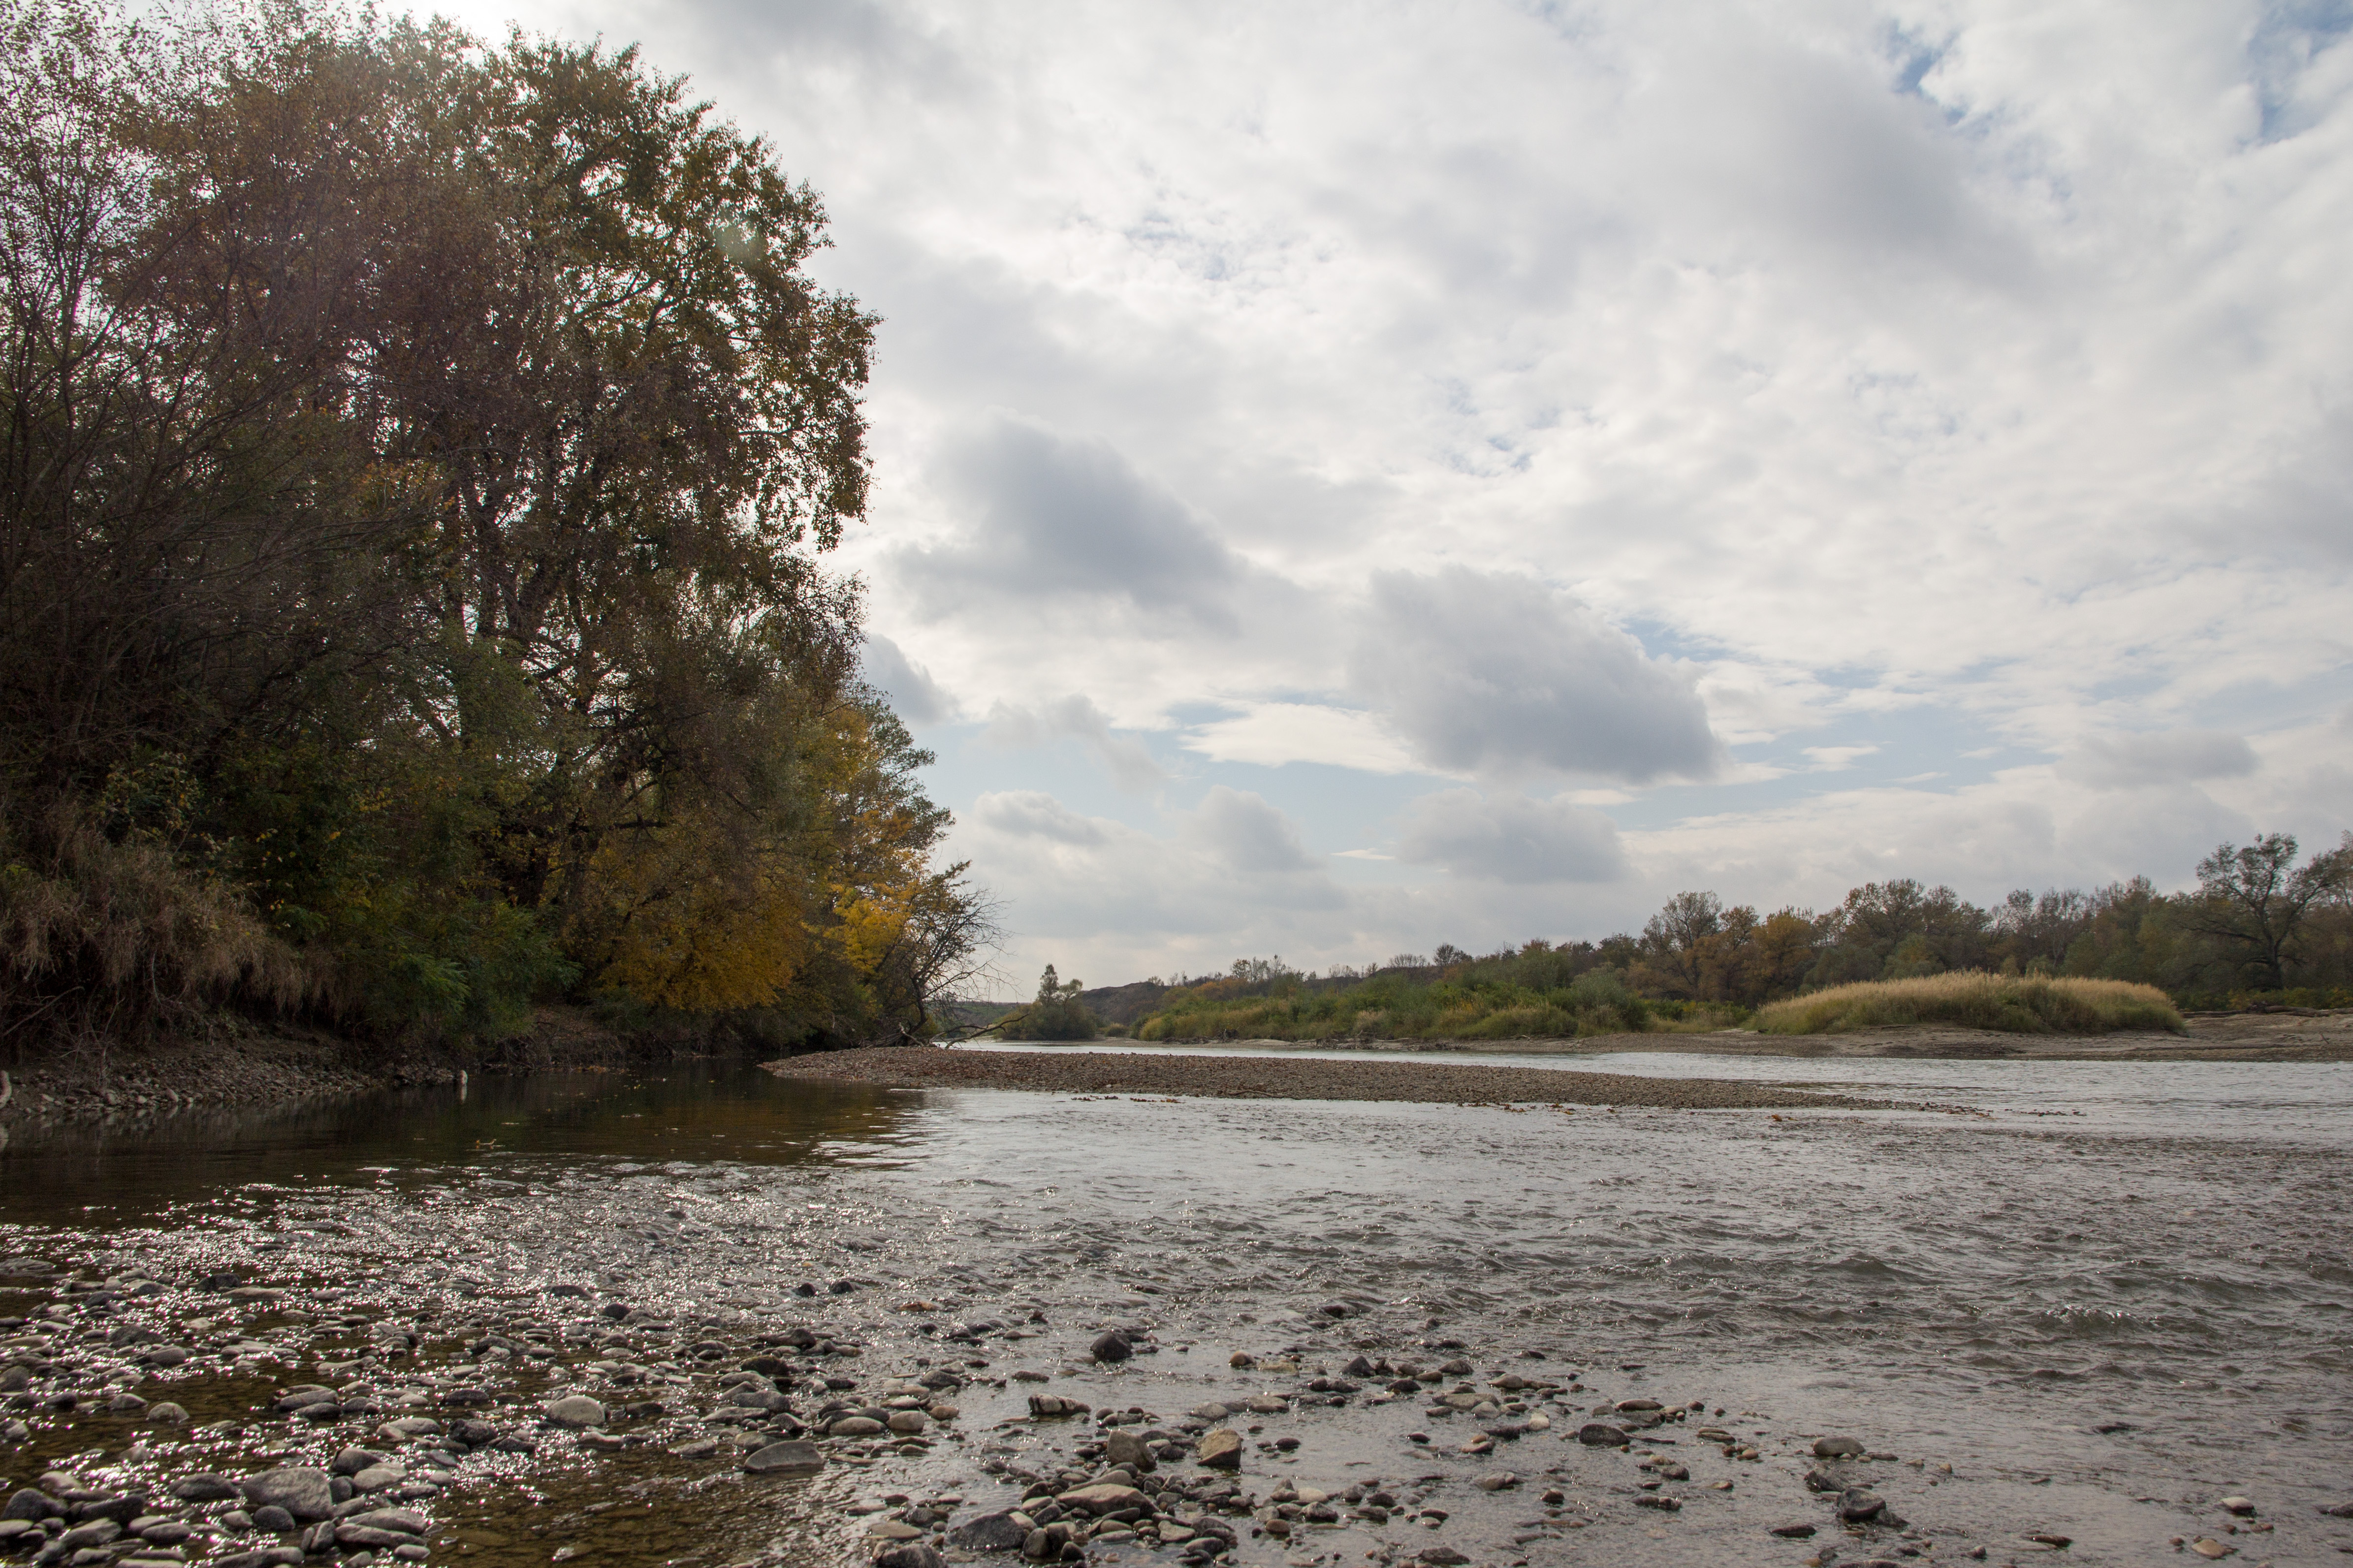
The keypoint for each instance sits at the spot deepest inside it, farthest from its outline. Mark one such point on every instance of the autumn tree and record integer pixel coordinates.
(2257, 897)
(416, 460)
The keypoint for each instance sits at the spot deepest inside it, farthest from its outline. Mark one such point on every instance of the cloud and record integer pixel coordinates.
(1836, 759)
(1128, 761)
(2167, 757)
(1068, 876)
(914, 695)
(1033, 813)
(1273, 733)
(1510, 837)
(1241, 829)
(1494, 673)
(1051, 521)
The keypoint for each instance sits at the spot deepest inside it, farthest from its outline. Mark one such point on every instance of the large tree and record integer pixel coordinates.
(2257, 897)
(417, 457)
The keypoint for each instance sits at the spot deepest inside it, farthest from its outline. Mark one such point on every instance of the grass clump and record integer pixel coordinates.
(1973, 999)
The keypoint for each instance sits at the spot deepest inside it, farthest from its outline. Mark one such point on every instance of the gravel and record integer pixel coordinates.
(1292, 1078)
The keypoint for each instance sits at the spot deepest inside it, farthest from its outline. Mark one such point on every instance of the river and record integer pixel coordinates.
(2092, 1305)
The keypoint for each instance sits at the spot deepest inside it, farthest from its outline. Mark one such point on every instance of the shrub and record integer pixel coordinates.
(2029, 1005)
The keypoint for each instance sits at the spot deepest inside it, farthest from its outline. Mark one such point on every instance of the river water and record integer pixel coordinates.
(2090, 1305)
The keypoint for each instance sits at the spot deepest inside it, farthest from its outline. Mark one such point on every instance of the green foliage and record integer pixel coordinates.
(1057, 1013)
(1974, 1000)
(415, 457)
(1538, 992)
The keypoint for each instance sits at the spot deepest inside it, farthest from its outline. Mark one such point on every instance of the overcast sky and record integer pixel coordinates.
(1355, 477)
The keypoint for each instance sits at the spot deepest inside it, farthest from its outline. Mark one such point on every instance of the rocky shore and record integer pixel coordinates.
(1293, 1078)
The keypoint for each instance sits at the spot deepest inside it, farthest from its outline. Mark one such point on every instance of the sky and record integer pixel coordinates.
(1354, 477)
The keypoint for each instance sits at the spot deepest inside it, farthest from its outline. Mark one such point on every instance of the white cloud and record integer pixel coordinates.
(1836, 759)
(1494, 673)
(1273, 733)
(1968, 368)
(914, 694)
(1508, 837)
(2174, 756)
(1128, 760)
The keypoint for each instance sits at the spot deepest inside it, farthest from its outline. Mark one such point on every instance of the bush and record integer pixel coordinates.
(2026, 1004)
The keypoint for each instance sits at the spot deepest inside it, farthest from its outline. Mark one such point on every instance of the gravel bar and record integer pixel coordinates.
(1295, 1078)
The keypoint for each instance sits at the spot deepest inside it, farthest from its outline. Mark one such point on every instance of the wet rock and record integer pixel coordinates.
(1107, 1497)
(274, 1521)
(28, 1504)
(2237, 1505)
(1793, 1532)
(299, 1489)
(1502, 1481)
(1219, 1449)
(575, 1410)
(407, 1521)
(2207, 1546)
(207, 1487)
(98, 1532)
(352, 1461)
(1055, 1405)
(1441, 1557)
(166, 1414)
(990, 1532)
(1659, 1500)
(785, 1459)
(379, 1477)
(856, 1426)
(908, 1423)
(1129, 1452)
(1856, 1505)
(912, 1555)
(1821, 1480)
(1599, 1434)
(1111, 1347)
(1838, 1449)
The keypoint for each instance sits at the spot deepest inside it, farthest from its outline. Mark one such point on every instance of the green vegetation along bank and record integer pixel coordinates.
(418, 461)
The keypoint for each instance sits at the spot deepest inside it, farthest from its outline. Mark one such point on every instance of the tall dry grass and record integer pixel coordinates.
(2025, 1004)
(101, 940)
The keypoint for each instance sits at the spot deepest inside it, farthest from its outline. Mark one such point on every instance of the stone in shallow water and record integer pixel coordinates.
(1597, 1434)
(1837, 1448)
(785, 1459)
(300, 1489)
(575, 1410)
(1221, 1449)
(990, 1532)
(1112, 1347)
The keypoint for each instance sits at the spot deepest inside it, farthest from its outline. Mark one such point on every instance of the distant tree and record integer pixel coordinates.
(1448, 953)
(1057, 1013)
(2258, 898)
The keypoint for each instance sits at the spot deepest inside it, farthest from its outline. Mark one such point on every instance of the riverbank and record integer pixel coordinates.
(2304, 1036)
(239, 1064)
(1293, 1078)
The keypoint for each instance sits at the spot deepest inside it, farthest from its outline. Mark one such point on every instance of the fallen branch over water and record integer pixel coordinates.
(1296, 1077)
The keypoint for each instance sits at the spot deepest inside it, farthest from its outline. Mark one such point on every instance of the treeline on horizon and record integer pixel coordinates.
(2260, 928)
(416, 457)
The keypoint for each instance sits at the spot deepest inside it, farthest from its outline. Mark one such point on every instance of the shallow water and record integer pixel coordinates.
(2160, 1250)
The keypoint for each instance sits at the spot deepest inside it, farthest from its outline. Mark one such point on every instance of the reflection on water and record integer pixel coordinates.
(692, 1112)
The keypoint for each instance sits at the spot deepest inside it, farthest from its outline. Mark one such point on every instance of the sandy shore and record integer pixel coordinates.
(1291, 1077)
